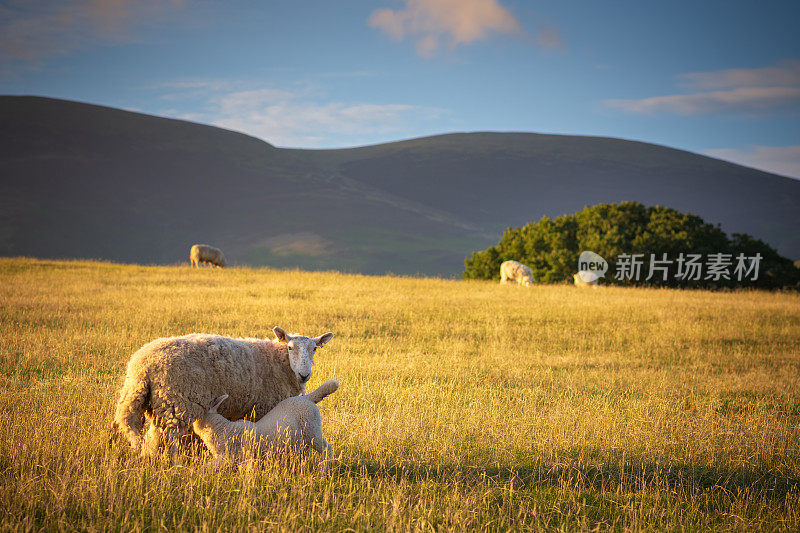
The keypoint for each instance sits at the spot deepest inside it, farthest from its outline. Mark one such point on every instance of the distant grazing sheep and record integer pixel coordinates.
(203, 253)
(294, 426)
(514, 271)
(580, 281)
(171, 381)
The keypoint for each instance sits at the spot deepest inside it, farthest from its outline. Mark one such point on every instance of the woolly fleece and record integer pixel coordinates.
(293, 426)
(173, 380)
(580, 282)
(203, 253)
(515, 271)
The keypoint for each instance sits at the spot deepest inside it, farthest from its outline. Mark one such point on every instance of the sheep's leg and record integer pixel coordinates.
(172, 438)
(219, 461)
(325, 450)
(152, 441)
(328, 456)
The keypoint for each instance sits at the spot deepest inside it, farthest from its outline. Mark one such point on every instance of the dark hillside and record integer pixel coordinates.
(502, 179)
(79, 180)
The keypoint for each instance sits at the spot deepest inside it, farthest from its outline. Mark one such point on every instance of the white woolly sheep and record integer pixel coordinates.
(171, 381)
(585, 279)
(203, 253)
(514, 271)
(293, 427)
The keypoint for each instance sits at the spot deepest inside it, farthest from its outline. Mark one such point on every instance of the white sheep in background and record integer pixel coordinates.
(172, 381)
(294, 426)
(203, 253)
(585, 278)
(514, 271)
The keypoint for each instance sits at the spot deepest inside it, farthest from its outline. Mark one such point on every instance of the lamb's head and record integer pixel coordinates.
(527, 281)
(203, 425)
(301, 351)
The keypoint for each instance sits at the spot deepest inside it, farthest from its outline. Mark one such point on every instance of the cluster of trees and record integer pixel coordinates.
(630, 231)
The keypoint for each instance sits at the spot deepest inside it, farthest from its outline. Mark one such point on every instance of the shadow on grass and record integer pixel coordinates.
(621, 472)
(581, 469)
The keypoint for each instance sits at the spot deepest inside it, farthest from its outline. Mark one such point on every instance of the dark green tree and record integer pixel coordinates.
(551, 247)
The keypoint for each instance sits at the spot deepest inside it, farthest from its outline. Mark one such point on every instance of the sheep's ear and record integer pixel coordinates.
(280, 334)
(322, 339)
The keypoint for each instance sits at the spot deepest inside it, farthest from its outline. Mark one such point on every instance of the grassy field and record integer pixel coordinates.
(463, 405)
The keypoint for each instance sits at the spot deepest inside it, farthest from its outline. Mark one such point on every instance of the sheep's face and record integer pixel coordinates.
(526, 281)
(301, 351)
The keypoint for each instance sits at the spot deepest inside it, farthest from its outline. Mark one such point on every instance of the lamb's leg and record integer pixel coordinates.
(325, 450)
(328, 456)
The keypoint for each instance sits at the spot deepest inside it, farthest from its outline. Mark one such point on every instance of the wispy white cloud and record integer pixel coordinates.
(737, 90)
(784, 74)
(30, 31)
(299, 117)
(784, 160)
(436, 23)
(198, 84)
(193, 89)
(743, 99)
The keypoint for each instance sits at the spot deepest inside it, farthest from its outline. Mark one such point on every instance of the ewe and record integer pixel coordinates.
(515, 271)
(585, 278)
(294, 426)
(203, 253)
(171, 381)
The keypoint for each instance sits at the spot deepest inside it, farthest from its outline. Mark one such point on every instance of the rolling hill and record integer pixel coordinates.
(79, 180)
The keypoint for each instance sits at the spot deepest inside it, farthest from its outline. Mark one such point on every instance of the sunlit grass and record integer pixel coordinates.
(462, 404)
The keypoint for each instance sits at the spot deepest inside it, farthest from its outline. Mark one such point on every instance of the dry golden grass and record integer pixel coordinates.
(463, 405)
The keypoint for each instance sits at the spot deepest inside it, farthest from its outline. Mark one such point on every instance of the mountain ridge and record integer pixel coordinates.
(81, 180)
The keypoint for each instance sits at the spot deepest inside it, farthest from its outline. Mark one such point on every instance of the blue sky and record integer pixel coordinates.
(714, 77)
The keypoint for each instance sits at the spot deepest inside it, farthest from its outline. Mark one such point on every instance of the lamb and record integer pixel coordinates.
(203, 253)
(585, 278)
(516, 271)
(171, 382)
(294, 426)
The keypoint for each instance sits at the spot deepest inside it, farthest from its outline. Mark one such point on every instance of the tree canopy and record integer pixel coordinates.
(661, 240)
